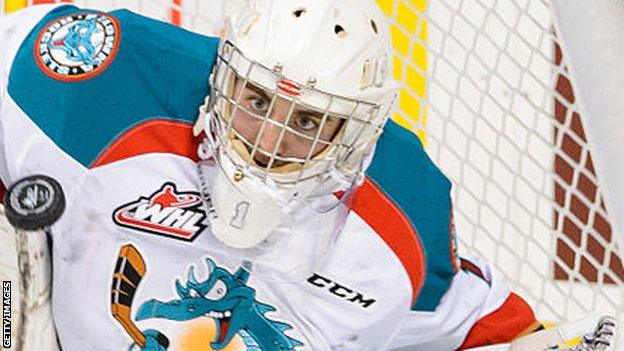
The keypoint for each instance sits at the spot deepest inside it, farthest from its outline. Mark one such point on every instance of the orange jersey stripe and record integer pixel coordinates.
(511, 320)
(391, 224)
(149, 137)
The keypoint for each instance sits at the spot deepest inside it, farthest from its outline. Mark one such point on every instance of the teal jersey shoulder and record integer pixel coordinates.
(147, 70)
(403, 171)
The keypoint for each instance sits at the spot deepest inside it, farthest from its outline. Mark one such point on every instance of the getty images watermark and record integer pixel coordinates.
(6, 314)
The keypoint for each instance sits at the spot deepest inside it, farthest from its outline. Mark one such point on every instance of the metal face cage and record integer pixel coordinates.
(283, 130)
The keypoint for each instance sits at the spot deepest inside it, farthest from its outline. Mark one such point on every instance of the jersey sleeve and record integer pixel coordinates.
(478, 309)
(407, 177)
(463, 302)
(14, 29)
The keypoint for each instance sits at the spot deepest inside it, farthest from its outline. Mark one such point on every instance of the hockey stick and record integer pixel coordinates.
(129, 272)
(32, 205)
(25, 271)
(597, 333)
(591, 328)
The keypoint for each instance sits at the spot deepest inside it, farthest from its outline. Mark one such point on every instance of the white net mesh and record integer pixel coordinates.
(485, 85)
(206, 17)
(504, 126)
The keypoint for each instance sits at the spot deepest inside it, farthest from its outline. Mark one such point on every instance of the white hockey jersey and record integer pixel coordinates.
(105, 102)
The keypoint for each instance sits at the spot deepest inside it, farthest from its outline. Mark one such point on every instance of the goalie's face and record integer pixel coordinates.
(299, 95)
(277, 132)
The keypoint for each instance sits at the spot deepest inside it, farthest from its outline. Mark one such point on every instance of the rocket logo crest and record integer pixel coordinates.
(167, 212)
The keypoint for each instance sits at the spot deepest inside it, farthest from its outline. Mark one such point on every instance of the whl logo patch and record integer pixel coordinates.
(167, 212)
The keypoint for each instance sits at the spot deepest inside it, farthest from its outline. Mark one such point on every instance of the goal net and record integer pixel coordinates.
(488, 87)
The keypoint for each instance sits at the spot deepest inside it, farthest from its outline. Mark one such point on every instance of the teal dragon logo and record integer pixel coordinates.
(230, 302)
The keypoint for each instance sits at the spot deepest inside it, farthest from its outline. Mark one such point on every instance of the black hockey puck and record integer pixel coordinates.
(33, 203)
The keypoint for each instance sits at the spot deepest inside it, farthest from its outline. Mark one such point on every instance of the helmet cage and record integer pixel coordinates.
(361, 122)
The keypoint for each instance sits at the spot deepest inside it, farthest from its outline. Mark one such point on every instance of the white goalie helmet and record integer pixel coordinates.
(300, 93)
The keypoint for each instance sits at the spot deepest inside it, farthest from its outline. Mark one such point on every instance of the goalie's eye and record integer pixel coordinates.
(306, 123)
(259, 104)
(218, 291)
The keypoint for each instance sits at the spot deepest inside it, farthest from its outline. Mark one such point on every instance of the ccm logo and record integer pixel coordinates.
(340, 290)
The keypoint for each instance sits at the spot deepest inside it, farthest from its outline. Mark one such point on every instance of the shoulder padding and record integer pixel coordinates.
(403, 171)
(149, 70)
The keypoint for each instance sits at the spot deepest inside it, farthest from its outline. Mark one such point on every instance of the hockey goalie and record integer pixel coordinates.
(241, 193)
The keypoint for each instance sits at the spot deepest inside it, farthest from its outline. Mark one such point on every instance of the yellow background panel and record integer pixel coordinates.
(408, 30)
(13, 5)
(420, 56)
(400, 40)
(386, 6)
(416, 81)
(421, 5)
(407, 18)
